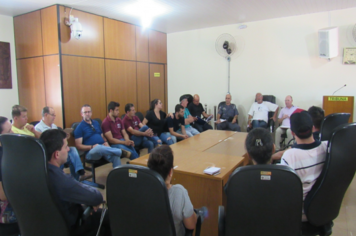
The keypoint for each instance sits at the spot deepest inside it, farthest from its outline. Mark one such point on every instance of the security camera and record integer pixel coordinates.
(78, 34)
(76, 28)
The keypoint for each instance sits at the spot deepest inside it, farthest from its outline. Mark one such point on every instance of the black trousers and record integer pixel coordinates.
(90, 226)
(202, 128)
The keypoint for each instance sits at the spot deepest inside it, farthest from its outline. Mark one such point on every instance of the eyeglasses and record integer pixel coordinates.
(54, 115)
(92, 127)
(86, 112)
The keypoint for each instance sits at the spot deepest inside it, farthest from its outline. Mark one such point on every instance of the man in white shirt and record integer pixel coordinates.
(283, 119)
(74, 162)
(258, 114)
(307, 157)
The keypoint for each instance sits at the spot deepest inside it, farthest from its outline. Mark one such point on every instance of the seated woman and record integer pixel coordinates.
(259, 146)
(161, 161)
(156, 120)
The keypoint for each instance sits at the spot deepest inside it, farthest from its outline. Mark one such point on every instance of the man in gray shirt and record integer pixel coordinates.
(227, 116)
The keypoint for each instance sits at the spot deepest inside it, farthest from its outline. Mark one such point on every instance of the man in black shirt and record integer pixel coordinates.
(196, 110)
(69, 193)
(317, 115)
(177, 122)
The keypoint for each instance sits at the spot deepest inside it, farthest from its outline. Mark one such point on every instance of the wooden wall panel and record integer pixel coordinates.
(30, 78)
(92, 41)
(49, 30)
(28, 38)
(143, 85)
(53, 86)
(121, 83)
(157, 42)
(83, 83)
(157, 83)
(119, 40)
(141, 44)
(166, 87)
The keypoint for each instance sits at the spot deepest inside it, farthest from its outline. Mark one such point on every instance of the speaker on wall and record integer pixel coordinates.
(328, 42)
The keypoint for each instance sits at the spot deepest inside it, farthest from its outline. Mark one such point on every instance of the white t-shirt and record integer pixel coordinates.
(260, 111)
(42, 127)
(289, 112)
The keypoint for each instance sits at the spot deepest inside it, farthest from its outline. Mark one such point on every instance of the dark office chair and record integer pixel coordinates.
(332, 121)
(138, 189)
(270, 123)
(25, 182)
(123, 116)
(94, 163)
(11, 229)
(189, 98)
(323, 202)
(139, 115)
(34, 123)
(262, 200)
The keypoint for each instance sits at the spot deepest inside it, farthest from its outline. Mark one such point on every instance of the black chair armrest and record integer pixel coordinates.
(189, 232)
(221, 221)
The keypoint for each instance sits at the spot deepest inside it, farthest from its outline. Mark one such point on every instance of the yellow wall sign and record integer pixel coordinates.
(338, 99)
(156, 74)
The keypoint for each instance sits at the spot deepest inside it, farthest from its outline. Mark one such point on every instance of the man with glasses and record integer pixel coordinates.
(74, 162)
(89, 138)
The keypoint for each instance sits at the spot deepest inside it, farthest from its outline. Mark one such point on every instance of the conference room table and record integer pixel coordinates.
(212, 148)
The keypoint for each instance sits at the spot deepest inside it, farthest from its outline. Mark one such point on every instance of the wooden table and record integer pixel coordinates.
(224, 149)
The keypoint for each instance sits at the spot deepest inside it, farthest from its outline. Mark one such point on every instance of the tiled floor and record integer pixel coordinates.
(344, 224)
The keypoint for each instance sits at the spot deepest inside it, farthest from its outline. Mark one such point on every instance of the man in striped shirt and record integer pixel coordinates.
(307, 157)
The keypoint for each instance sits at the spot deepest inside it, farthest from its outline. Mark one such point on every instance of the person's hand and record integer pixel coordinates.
(132, 143)
(190, 119)
(233, 121)
(285, 116)
(195, 118)
(30, 128)
(149, 133)
(185, 136)
(95, 145)
(250, 124)
(171, 115)
(218, 121)
(274, 119)
(106, 144)
(127, 142)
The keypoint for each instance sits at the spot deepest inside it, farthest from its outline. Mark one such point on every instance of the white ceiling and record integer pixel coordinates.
(189, 14)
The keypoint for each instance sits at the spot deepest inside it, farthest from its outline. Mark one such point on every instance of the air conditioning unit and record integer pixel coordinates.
(329, 42)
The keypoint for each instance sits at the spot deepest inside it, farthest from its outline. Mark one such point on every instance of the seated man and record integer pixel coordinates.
(89, 138)
(189, 130)
(307, 157)
(140, 134)
(19, 123)
(181, 206)
(177, 123)
(229, 113)
(259, 146)
(317, 115)
(258, 114)
(7, 214)
(74, 162)
(283, 119)
(70, 193)
(196, 110)
(114, 131)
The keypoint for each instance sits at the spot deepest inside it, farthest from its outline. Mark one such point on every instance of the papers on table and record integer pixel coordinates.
(212, 170)
(209, 118)
(221, 120)
(284, 127)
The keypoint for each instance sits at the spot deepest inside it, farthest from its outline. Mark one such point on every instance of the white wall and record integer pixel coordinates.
(8, 97)
(280, 57)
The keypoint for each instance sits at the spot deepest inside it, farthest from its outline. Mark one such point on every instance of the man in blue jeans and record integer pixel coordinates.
(114, 131)
(89, 138)
(140, 134)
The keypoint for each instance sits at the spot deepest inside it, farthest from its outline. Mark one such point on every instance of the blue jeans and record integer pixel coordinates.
(74, 162)
(190, 131)
(259, 123)
(146, 142)
(110, 154)
(131, 149)
(164, 137)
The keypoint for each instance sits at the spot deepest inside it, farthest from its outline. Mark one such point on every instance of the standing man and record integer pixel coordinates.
(140, 134)
(258, 114)
(114, 131)
(283, 119)
(229, 113)
(72, 194)
(89, 138)
(74, 162)
(19, 123)
(177, 123)
(188, 119)
(196, 110)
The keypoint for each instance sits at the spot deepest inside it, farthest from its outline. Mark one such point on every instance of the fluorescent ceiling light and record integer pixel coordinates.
(146, 10)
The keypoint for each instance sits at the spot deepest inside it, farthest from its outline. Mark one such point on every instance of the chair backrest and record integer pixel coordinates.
(139, 190)
(139, 115)
(34, 123)
(189, 97)
(330, 122)
(323, 202)
(25, 182)
(263, 200)
(99, 121)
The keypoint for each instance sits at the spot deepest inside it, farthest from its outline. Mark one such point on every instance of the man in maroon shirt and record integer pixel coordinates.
(114, 131)
(140, 134)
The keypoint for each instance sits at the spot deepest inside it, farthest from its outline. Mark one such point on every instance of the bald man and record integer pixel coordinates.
(284, 121)
(229, 113)
(258, 114)
(196, 110)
